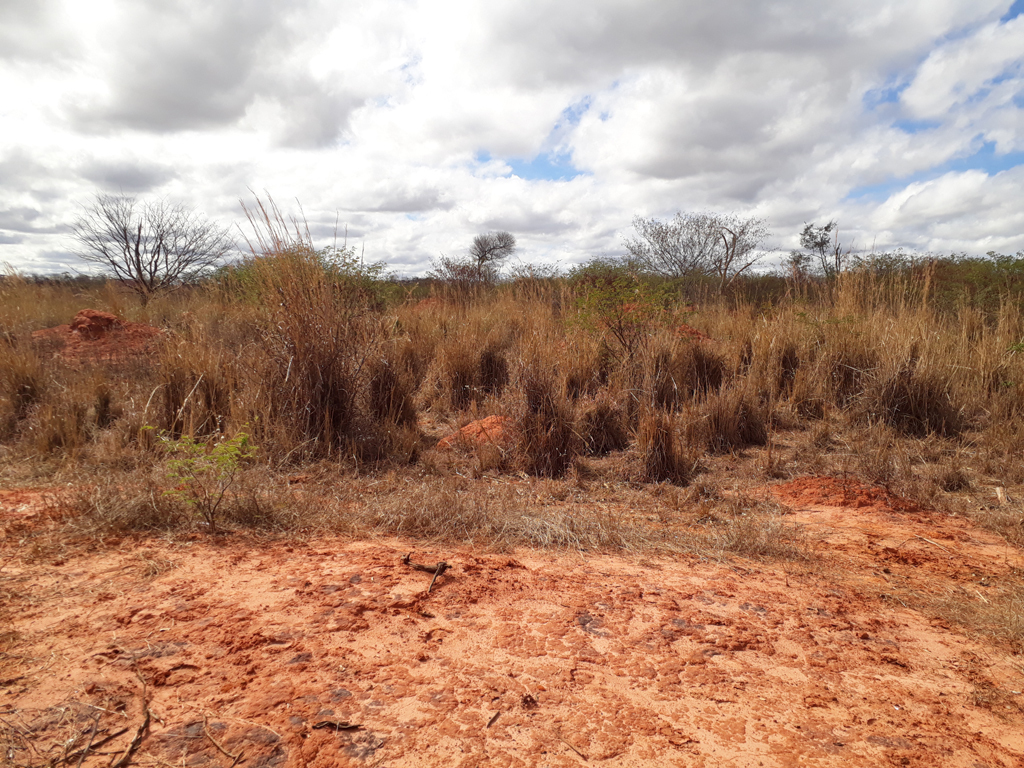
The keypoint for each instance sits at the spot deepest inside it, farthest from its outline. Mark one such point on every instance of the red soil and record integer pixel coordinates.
(332, 653)
(493, 429)
(837, 492)
(94, 336)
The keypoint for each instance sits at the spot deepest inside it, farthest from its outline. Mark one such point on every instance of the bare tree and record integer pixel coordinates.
(490, 249)
(150, 246)
(698, 245)
(741, 247)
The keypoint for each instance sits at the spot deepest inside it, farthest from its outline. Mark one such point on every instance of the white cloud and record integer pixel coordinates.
(381, 115)
(956, 73)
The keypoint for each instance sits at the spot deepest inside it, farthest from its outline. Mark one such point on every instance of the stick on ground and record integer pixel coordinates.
(437, 570)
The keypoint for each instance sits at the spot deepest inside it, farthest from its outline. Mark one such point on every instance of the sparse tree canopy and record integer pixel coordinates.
(698, 245)
(150, 246)
(824, 243)
(490, 249)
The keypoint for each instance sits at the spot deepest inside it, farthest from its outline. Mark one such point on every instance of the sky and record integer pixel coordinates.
(416, 124)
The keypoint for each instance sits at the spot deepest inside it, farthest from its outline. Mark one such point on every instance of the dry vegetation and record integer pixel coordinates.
(628, 430)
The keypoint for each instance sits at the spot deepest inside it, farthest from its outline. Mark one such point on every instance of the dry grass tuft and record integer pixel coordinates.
(660, 457)
(913, 402)
(750, 527)
(689, 370)
(440, 509)
(998, 613)
(729, 420)
(547, 440)
(603, 426)
(139, 507)
(22, 383)
(390, 398)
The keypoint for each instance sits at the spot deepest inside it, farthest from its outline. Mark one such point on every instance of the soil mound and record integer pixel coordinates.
(838, 492)
(493, 429)
(91, 323)
(94, 336)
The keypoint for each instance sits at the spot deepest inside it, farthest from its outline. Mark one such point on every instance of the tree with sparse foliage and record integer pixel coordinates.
(824, 243)
(720, 245)
(490, 249)
(462, 276)
(149, 246)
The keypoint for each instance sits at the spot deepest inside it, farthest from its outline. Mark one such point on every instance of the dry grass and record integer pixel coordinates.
(320, 369)
(660, 454)
(997, 612)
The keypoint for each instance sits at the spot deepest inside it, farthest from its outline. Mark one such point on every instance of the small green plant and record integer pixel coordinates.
(204, 471)
(614, 298)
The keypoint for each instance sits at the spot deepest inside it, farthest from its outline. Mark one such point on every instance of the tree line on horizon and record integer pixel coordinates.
(154, 246)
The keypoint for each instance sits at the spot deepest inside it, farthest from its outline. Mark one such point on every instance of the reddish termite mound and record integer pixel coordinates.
(837, 492)
(493, 429)
(685, 331)
(94, 336)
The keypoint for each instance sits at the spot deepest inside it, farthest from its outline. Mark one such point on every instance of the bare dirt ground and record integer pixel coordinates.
(331, 652)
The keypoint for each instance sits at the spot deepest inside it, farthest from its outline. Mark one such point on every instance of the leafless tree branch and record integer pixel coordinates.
(698, 245)
(149, 246)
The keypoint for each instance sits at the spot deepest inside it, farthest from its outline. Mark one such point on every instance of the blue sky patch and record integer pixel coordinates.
(547, 166)
(985, 159)
(1015, 10)
(916, 126)
(574, 112)
(887, 94)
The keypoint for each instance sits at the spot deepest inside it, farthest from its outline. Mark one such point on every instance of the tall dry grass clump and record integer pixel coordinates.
(471, 347)
(734, 418)
(660, 456)
(322, 384)
(683, 371)
(913, 401)
(547, 441)
(22, 383)
(602, 425)
(197, 381)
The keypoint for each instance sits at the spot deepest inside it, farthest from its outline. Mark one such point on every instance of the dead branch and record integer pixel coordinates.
(436, 570)
(338, 725)
(570, 746)
(88, 744)
(140, 734)
(233, 758)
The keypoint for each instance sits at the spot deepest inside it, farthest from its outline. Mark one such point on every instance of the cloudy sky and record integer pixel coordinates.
(420, 123)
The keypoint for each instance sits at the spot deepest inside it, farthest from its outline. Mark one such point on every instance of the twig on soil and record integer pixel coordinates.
(136, 741)
(100, 743)
(234, 758)
(88, 745)
(437, 570)
(144, 728)
(922, 538)
(494, 717)
(338, 725)
(18, 731)
(252, 722)
(570, 746)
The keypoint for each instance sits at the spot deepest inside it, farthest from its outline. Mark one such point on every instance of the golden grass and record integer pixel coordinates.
(868, 380)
